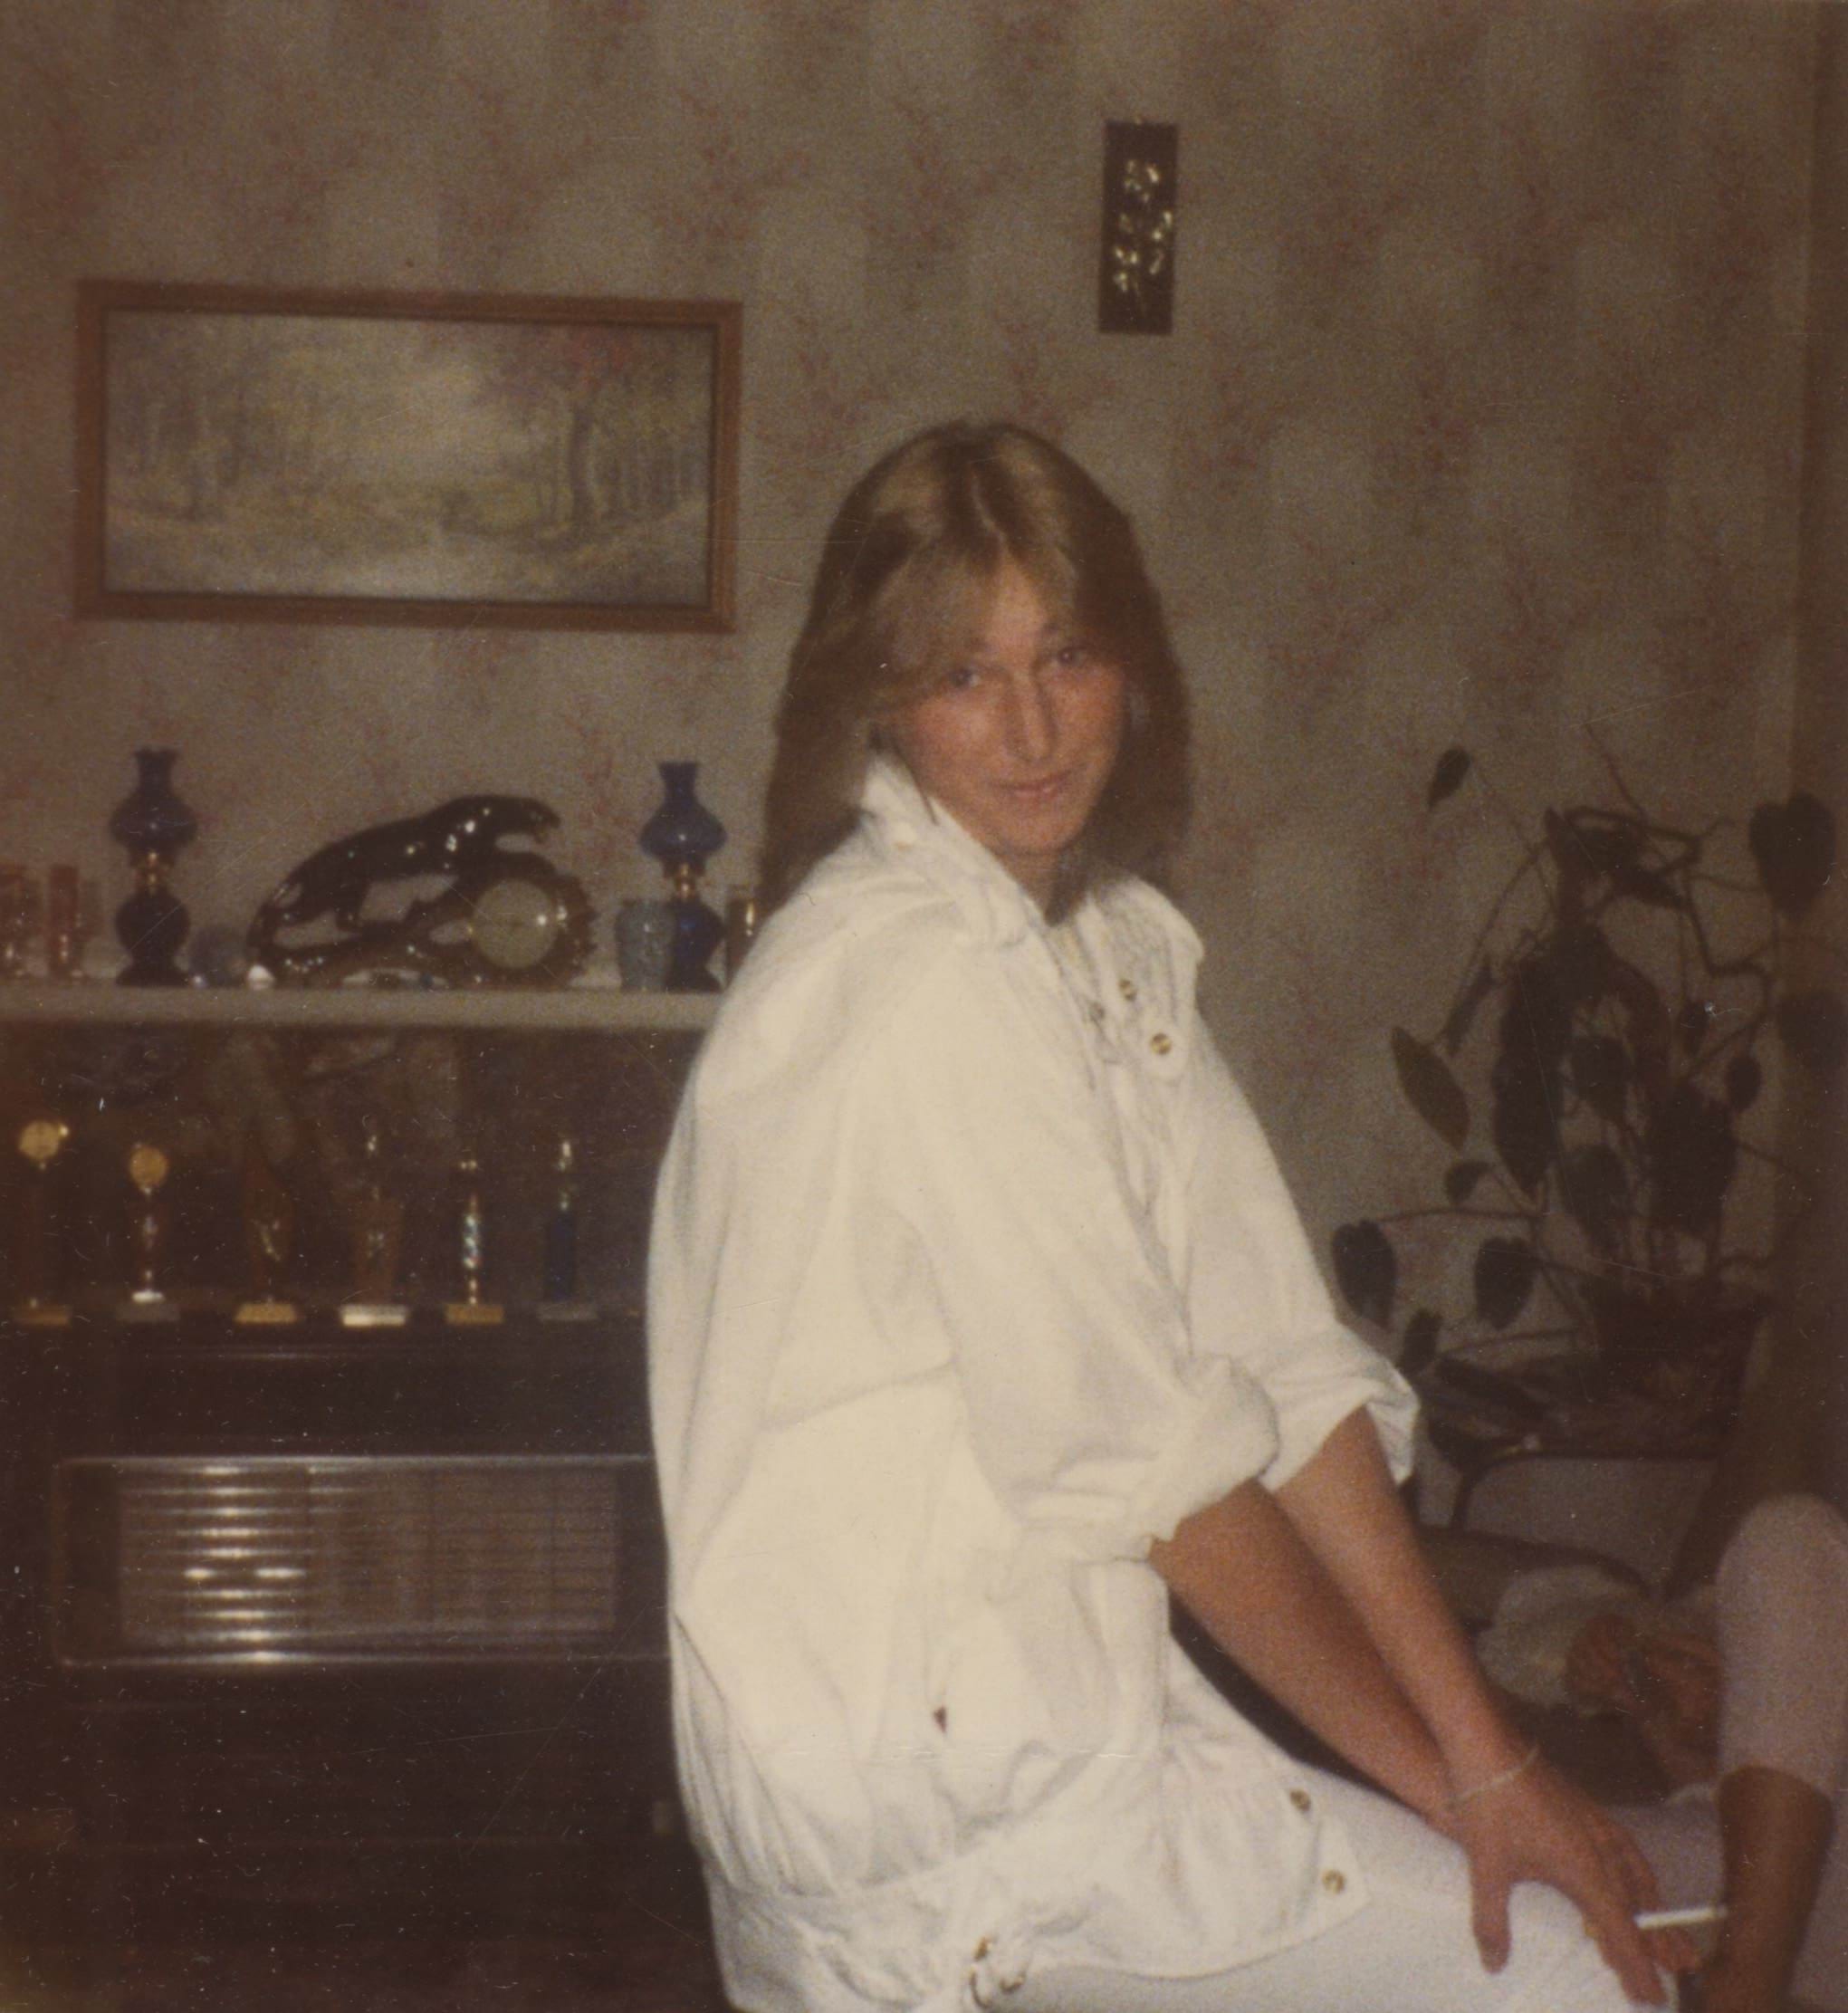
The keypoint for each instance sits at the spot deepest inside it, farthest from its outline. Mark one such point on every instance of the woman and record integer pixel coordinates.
(980, 1322)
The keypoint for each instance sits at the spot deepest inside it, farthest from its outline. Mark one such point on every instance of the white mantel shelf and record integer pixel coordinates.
(604, 1010)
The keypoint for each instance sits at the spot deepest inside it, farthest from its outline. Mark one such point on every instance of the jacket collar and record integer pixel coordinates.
(1128, 956)
(905, 824)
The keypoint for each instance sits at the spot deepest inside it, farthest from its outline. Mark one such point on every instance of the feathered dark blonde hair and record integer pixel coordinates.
(904, 579)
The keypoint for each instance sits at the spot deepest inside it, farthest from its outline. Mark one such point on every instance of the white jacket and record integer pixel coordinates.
(972, 1275)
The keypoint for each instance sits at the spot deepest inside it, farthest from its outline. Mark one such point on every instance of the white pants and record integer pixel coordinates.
(1782, 1613)
(1408, 1950)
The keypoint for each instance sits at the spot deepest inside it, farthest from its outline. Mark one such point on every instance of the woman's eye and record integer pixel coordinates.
(1071, 656)
(965, 678)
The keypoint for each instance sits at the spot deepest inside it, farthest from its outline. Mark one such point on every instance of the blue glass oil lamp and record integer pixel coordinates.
(683, 835)
(153, 822)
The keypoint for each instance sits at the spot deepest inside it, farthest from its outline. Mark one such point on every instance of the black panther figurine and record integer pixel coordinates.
(458, 840)
(453, 836)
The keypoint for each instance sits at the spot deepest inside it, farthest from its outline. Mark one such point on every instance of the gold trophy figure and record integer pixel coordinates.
(34, 1257)
(149, 1168)
(269, 1236)
(377, 1225)
(472, 1311)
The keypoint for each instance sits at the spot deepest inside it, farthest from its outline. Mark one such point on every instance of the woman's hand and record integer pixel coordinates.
(1536, 1826)
(1599, 1670)
(1667, 1681)
(1678, 1676)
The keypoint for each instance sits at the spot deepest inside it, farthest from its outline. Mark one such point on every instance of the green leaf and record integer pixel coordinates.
(1537, 1019)
(1431, 1091)
(1596, 1193)
(1418, 1345)
(1601, 1073)
(1745, 1077)
(1366, 1270)
(1580, 961)
(1447, 778)
(1460, 1180)
(1525, 1123)
(1505, 1269)
(1793, 845)
(1691, 1154)
(1814, 1028)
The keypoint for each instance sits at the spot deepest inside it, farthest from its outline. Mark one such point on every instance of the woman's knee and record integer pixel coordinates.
(1790, 1551)
(1785, 1526)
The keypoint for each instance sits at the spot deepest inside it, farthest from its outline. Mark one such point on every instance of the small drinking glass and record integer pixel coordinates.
(20, 910)
(63, 922)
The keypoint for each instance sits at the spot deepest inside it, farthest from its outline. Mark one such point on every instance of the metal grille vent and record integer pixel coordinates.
(420, 1556)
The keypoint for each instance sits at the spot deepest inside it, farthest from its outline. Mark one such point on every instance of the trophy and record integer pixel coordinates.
(34, 1256)
(560, 1300)
(471, 1311)
(269, 1233)
(149, 1168)
(377, 1226)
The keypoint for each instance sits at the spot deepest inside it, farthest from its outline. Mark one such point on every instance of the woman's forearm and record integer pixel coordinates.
(1344, 1505)
(1321, 1593)
(1243, 1571)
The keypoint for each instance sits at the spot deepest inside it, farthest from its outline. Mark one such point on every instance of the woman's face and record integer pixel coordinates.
(1018, 741)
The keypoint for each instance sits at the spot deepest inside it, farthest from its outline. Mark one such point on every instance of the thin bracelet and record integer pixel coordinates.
(1500, 1781)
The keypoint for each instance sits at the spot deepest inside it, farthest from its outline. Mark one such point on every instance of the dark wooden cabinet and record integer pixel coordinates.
(329, 1598)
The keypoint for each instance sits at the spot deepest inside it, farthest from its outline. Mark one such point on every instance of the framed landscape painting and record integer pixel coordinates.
(447, 460)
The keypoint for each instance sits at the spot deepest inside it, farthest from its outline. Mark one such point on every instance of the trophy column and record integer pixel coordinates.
(269, 1236)
(472, 1311)
(149, 1168)
(34, 1253)
(378, 1230)
(559, 1295)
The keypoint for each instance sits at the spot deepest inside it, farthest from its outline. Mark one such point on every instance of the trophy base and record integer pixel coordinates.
(266, 1314)
(146, 1309)
(567, 1313)
(474, 1313)
(41, 1314)
(373, 1314)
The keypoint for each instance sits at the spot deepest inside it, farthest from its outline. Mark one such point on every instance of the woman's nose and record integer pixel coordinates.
(1033, 722)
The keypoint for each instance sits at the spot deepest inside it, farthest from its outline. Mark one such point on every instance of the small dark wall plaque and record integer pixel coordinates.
(1135, 272)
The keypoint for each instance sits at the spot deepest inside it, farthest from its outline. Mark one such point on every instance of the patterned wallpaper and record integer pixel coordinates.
(1481, 420)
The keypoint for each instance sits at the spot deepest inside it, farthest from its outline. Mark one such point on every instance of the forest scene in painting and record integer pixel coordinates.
(406, 458)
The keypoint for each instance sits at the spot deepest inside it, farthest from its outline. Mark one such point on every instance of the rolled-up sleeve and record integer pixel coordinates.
(1254, 1292)
(998, 1213)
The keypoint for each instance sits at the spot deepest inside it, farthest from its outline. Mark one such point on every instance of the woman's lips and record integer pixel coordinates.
(1031, 795)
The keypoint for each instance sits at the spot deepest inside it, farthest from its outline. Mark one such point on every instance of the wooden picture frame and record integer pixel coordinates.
(443, 460)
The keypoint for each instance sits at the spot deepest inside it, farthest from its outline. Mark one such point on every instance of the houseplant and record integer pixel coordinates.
(1616, 1013)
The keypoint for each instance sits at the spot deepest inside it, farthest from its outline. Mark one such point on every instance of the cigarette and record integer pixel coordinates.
(1681, 1918)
